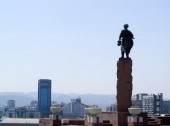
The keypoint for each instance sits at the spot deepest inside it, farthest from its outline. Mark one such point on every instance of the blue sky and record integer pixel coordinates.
(74, 43)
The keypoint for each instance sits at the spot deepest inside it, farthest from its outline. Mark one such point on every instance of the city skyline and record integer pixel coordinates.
(74, 44)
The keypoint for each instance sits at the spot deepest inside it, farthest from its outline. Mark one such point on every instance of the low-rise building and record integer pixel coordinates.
(22, 112)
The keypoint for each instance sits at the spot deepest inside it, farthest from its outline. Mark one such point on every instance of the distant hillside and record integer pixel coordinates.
(25, 98)
(90, 99)
(19, 97)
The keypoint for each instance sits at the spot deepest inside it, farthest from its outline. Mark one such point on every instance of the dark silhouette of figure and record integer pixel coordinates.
(126, 41)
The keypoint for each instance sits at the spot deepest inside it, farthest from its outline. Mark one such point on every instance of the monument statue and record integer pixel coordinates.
(124, 76)
(126, 41)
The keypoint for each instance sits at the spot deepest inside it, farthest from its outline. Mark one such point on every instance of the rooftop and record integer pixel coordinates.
(20, 121)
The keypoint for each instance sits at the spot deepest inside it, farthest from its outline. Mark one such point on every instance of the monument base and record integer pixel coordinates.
(122, 118)
(56, 120)
(124, 84)
(124, 89)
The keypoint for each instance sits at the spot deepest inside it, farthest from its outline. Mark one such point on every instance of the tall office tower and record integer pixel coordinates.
(44, 97)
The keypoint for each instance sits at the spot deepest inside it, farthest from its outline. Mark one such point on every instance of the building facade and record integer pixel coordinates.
(44, 97)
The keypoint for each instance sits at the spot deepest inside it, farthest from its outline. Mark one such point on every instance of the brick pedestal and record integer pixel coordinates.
(122, 118)
(124, 89)
(56, 120)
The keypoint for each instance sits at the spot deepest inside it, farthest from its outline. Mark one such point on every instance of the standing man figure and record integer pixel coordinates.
(126, 41)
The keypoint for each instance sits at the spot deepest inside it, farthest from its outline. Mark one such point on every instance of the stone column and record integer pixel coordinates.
(124, 89)
(57, 121)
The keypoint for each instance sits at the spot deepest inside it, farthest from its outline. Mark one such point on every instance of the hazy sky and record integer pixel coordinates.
(74, 43)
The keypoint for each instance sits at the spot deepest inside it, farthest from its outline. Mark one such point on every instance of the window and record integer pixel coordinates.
(10, 115)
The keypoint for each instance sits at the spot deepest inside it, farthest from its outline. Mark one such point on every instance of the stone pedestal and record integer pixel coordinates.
(122, 118)
(135, 121)
(94, 119)
(56, 120)
(124, 89)
(55, 117)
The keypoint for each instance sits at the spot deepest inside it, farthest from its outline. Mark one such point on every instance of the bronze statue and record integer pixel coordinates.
(126, 41)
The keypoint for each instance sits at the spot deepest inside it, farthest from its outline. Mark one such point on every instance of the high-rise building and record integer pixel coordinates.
(34, 104)
(152, 104)
(74, 109)
(166, 107)
(44, 97)
(138, 99)
(111, 108)
(11, 103)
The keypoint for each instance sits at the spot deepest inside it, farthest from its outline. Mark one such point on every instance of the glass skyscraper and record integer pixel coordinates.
(44, 97)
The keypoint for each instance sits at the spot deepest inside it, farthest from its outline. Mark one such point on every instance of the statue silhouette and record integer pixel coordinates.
(126, 41)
